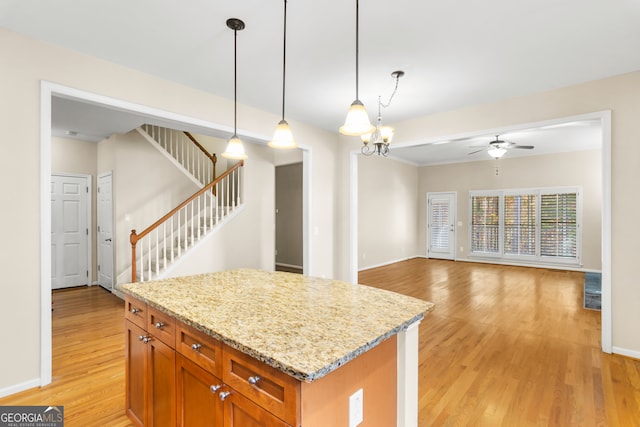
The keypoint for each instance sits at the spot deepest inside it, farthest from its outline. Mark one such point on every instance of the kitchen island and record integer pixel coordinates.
(271, 348)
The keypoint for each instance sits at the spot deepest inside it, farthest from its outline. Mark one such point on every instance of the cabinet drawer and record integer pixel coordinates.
(162, 326)
(270, 388)
(136, 311)
(199, 348)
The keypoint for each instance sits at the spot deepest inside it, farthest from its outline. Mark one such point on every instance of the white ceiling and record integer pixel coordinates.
(454, 53)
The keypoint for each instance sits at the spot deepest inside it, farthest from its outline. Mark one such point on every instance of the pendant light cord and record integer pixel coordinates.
(235, 82)
(284, 57)
(357, 43)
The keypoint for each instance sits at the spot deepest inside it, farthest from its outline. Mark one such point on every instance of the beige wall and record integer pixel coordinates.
(73, 156)
(140, 195)
(580, 168)
(387, 211)
(26, 63)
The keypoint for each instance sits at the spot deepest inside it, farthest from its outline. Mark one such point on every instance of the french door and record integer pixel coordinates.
(441, 225)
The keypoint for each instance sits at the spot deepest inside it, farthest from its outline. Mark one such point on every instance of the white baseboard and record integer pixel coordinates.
(388, 262)
(281, 264)
(17, 388)
(626, 352)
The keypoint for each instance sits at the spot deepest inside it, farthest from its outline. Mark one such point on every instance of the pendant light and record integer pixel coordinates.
(235, 149)
(282, 137)
(357, 122)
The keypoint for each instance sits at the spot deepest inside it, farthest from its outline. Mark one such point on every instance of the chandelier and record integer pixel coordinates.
(378, 141)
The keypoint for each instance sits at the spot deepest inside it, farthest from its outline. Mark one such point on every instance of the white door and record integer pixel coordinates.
(105, 231)
(441, 225)
(69, 231)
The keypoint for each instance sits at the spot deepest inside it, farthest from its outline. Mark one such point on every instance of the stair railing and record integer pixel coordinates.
(183, 147)
(170, 236)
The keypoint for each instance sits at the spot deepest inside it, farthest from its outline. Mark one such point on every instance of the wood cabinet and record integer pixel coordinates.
(151, 367)
(178, 375)
(198, 401)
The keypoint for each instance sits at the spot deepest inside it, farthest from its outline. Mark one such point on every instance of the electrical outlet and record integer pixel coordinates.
(355, 409)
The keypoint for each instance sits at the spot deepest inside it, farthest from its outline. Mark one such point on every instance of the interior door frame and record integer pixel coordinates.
(454, 212)
(89, 213)
(113, 234)
(47, 91)
(605, 120)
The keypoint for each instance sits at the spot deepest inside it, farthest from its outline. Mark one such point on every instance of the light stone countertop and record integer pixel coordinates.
(304, 326)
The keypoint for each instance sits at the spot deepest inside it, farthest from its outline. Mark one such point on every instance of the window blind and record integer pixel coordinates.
(440, 224)
(540, 224)
(485, 225)
(520, 224)
(558, 225)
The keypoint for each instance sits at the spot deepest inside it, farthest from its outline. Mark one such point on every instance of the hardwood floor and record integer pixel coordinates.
(88, 359)
(504, 346)
(511, 346)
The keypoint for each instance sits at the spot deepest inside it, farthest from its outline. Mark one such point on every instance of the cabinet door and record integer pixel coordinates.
(241, 412)
(198, 402)
(161, 376)
(136, 388)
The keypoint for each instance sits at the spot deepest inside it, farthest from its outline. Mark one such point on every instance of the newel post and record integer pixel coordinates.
(133, 239)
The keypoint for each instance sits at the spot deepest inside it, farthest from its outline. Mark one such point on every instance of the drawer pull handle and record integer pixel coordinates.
(135, 310)
(159, 325)
(214, 388)
(140, 337)
(196, 347)
(144, 339)
(223, 395)
(254, 380)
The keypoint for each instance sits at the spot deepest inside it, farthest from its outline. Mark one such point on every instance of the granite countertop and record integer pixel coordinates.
(303, 326)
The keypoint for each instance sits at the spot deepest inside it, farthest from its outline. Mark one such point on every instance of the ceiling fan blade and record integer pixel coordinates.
(474, 152)
(526, 147)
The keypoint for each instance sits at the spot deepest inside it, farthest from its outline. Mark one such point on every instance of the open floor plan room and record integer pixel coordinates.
(504, 346)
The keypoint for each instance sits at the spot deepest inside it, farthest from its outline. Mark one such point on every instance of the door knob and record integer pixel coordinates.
(107, 240)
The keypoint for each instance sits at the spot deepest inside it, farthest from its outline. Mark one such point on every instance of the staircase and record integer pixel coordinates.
(161, 245)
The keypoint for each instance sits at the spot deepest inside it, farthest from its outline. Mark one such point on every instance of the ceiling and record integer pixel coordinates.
(455, 54)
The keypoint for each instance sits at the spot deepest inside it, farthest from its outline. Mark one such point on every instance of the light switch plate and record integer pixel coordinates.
(355, 408)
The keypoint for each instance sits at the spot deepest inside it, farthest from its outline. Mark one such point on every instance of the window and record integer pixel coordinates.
(520, 224)
(539, 225)
(484, 224)
(559, 225)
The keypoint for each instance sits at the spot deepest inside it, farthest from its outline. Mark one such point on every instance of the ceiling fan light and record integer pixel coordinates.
(282, 137)
(235, 149)
(357, 122)
(496, 152)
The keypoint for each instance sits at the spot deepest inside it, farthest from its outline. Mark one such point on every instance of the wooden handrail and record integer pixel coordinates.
(211, 157)
(204, 150)
(134, 237)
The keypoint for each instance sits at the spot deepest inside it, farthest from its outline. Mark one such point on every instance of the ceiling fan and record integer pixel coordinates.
(498, 148)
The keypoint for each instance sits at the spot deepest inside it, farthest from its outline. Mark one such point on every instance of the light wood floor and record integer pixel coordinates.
(505, 346)
(88, 359)
(511, 346)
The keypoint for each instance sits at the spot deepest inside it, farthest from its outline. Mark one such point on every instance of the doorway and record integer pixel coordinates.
(441, 225)
(70, 219)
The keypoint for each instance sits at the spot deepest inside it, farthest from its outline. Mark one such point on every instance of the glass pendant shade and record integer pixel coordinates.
(357, 122)
(235, 149)
(496, 153)
(386, 132)
(282, 137)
